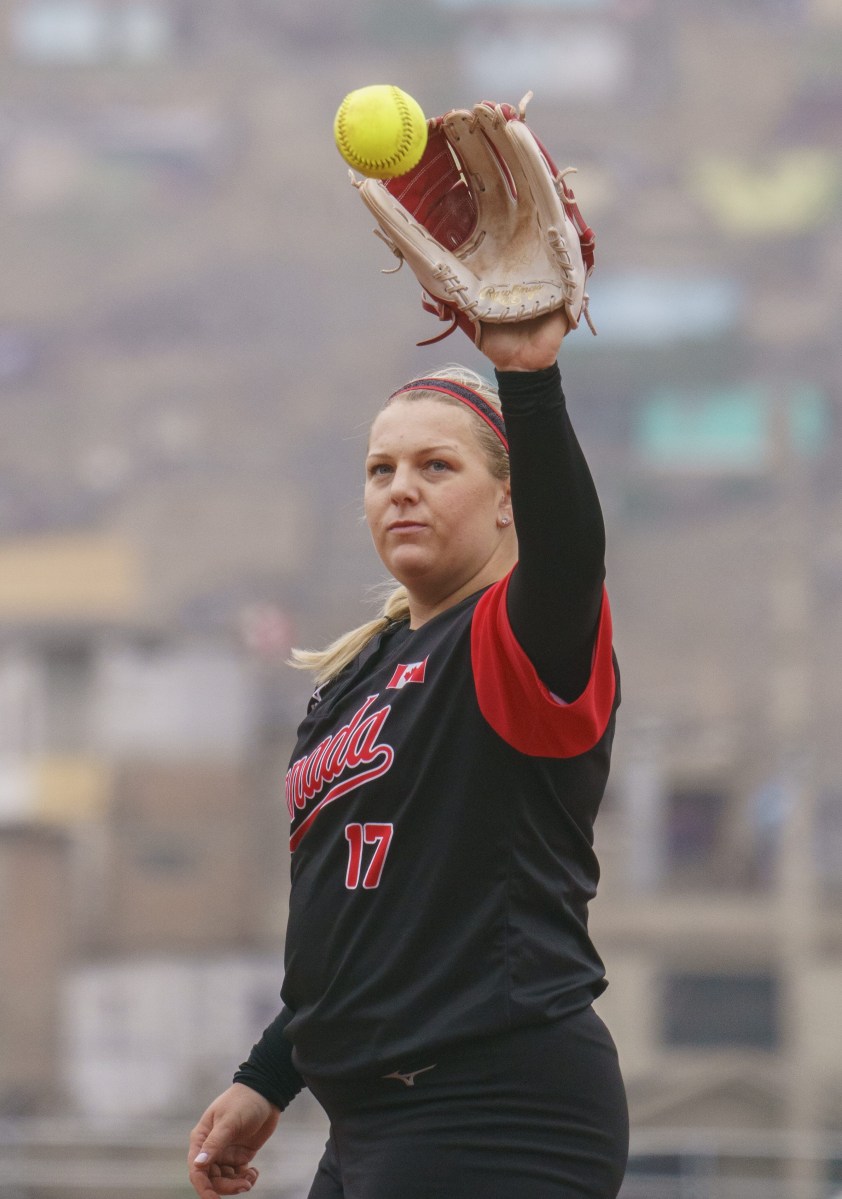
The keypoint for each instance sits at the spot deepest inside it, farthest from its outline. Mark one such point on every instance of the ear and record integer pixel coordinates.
(504, 508)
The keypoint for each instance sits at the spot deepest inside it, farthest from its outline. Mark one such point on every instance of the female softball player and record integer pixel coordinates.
(439, 974)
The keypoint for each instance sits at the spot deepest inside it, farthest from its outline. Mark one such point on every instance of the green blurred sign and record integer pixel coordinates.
(728, 430)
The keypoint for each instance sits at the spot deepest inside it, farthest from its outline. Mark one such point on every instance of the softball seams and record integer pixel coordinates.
(404, 145)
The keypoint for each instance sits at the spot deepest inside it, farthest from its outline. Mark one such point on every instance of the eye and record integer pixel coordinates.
(437, 466)
(378, 469)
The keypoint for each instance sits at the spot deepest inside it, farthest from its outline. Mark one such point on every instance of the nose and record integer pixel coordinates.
(404, 487)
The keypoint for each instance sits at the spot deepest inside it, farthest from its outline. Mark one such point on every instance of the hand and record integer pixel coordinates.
(229, 1134)
(524, 345)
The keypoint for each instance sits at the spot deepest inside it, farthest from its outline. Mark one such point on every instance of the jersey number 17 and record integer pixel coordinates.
(358, 836)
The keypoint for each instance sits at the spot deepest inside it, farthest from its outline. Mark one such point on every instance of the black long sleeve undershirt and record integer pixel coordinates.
(555, 593)
(269, 1069)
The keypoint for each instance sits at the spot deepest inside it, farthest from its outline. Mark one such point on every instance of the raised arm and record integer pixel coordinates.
(555, 593)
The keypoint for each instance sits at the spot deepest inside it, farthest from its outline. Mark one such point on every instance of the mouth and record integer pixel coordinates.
(406, 526)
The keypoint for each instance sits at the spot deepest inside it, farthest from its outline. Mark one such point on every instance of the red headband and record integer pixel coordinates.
(472, 399)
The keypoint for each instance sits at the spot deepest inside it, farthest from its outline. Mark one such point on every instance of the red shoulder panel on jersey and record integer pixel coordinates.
(514, 701)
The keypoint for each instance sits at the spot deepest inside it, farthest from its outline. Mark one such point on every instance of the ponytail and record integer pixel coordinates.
(326, 663)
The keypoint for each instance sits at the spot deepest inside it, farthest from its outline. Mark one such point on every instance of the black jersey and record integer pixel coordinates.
(442, 802)
(442, 806)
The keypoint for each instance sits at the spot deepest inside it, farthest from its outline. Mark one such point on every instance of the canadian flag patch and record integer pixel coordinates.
(413, 673)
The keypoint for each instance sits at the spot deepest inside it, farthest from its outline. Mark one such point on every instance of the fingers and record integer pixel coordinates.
(483, 145)
(222, 1170)
(211, 1179)
(215, 1165)
(225, 1140)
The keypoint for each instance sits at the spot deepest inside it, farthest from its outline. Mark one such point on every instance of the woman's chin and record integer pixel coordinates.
(410, 563)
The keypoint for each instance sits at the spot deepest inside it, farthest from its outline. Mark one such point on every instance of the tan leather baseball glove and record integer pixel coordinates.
(487, 222)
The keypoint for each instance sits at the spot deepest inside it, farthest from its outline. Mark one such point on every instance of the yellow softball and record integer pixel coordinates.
(380, 131)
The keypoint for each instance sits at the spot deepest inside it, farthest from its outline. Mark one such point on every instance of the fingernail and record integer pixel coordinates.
(201, 1158)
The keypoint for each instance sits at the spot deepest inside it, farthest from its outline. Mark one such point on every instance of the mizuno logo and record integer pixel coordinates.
(413, 673)
(409, 1078)
(341, 763)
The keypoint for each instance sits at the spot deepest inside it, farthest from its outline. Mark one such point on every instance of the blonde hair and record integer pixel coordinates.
(327, 663)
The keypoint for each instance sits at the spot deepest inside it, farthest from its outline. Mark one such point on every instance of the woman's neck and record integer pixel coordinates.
(423, 607)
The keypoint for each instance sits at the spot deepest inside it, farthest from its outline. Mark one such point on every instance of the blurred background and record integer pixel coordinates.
(194, 335)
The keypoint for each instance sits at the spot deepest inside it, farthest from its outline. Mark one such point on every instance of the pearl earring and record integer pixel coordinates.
(504, 520)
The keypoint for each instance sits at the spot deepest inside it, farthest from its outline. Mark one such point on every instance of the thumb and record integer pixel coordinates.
(213, 1144)
(223, 1143)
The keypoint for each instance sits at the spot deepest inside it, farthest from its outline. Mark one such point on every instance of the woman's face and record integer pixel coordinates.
(432, 503)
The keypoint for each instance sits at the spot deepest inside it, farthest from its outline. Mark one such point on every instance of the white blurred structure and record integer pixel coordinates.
(145, 1035)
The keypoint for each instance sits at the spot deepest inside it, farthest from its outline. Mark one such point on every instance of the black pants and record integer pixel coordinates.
(536, 1113)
